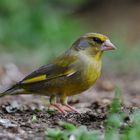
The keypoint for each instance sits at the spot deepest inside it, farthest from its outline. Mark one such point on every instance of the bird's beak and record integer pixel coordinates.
(107, 45)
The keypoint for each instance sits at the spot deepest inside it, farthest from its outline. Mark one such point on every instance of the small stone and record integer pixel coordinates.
(106, 85)
(7, 123)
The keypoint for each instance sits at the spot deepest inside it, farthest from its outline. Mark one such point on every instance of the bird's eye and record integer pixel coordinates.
(97, 40)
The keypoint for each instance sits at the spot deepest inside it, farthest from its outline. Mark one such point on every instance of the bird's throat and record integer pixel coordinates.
(98, 55)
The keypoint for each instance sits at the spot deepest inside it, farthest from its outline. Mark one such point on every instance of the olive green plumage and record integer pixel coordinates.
(69, 74)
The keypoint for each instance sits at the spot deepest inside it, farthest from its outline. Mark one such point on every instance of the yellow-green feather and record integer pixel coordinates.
(35, 79)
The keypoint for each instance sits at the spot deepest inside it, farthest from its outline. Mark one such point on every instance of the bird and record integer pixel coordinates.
(71, 73)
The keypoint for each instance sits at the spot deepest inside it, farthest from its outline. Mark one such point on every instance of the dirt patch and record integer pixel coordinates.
(23, 121)
(19, 123)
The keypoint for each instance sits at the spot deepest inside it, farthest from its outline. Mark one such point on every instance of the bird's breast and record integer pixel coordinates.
(92, 72)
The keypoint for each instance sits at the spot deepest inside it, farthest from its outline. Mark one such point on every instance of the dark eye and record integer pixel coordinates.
(97, 40)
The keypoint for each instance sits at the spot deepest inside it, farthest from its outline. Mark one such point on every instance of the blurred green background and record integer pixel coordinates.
(34, 31)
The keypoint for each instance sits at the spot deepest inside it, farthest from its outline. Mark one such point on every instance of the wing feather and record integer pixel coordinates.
(61, 67)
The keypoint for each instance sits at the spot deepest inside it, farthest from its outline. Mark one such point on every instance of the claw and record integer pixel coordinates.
(59, 108)
(64, 110)
(72, 109)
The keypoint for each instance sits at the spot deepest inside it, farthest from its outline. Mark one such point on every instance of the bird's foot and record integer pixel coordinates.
(65, 108)
(59, 108)
(72, 108)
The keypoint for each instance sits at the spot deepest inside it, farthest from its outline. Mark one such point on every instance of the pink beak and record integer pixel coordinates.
(107, 45)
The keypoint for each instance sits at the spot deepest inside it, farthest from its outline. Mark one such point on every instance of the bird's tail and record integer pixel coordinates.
(11, 91)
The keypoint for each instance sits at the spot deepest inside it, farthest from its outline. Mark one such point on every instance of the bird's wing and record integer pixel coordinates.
(59, 68)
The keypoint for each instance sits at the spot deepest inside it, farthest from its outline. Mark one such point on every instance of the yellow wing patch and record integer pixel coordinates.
(35, 79)
(44, 77)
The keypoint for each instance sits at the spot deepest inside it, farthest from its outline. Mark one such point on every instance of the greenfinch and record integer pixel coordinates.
(71, 73)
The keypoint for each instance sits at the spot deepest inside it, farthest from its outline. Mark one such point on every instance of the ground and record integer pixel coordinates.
(27, 116)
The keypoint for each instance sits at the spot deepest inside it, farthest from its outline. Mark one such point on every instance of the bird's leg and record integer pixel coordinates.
(56, 105)
(63, 101)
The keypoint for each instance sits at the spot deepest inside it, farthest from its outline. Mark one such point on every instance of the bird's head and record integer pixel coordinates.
(93, 43)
